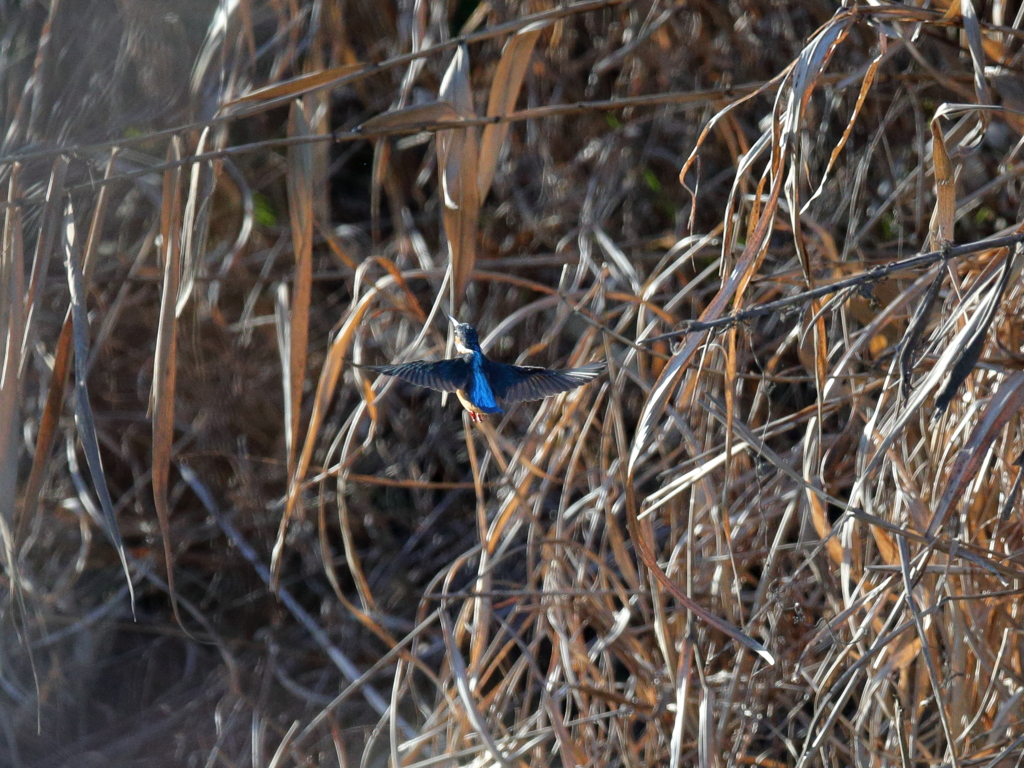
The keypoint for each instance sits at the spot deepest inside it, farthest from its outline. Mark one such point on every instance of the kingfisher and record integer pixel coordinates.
(481, 383)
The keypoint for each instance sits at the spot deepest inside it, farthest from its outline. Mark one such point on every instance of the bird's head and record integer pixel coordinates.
(466, 339)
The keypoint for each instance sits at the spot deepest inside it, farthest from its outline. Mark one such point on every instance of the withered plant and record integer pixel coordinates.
(785, 529)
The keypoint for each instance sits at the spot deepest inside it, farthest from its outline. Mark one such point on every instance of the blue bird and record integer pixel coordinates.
(481, 383)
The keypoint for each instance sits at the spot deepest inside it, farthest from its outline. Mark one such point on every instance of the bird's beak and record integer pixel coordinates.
(452, 320)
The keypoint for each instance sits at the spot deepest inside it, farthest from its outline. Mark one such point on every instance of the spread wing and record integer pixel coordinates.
(513, 383)
(443, 375)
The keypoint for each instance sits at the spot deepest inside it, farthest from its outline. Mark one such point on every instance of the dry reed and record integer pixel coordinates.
(784, 530)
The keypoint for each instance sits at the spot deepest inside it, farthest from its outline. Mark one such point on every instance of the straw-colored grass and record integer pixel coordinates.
(785, 529)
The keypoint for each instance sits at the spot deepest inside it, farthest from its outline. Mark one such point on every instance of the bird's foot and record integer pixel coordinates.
(477, 417)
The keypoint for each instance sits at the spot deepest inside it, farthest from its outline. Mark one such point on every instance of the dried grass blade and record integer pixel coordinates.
(865, 88)
(165, 362)
(684, 666)
(974, 340)
(729, 391)
(1011, 496)
(707, 750)
(819, 338)
(819, 513)
(722, 114)
(98, 217)
(461, 222)
(49, 420)
(30, 110)
(505, 87)
(410, 119)
(279, 754)
(12, 288)
(618, 258)
(809, 68)
(52, 217)
(926, 651)
(338, 75)
(482, 607)
(195, 225)
(457, 162)
(1004, 405)
(298, 85)
(379, 175)
(963, 349)
(11, 268)
(915, 331)
(353, 561)
(811, 64)
(940, 229)
(459, 672)
(300, 210)
(972, 31)
(244, 231)
(572, 754)
(326, 386)
(642, 536)
(419, 33)
(208, 67)
(84, 420)
(670, 375)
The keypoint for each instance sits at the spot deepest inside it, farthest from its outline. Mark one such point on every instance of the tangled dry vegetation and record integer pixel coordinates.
(789, 534)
